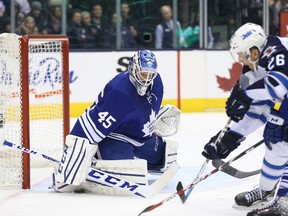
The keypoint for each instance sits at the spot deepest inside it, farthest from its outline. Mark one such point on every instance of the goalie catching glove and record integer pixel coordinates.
(229, 142)
(167, 122)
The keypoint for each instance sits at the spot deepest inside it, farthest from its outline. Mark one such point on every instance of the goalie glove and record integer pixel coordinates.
(167, 122)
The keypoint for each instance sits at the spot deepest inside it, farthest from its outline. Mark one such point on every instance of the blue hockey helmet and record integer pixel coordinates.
(142, 69)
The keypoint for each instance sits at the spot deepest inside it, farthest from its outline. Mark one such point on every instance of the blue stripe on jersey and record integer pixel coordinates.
(86, 131)
(89, 128)
(271, 91)
(124, 138)
(280, 77)
(274, 167)
(257, 116)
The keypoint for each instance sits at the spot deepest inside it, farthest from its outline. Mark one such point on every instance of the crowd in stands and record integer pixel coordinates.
(89, 27)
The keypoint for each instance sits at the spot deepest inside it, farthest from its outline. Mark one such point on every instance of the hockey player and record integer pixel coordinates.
(266, 82)
(122, 131)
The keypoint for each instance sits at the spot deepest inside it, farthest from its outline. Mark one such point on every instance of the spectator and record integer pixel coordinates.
(164, 30)
(100, 23)
(127, 38)
(89, 29)
(5, 25)
(76, 32)
(39, 15)
(27, 27)
(54, 24)
(19, 16)
(127, 20)
(24, 6)
(2, 8)
(97, 16)
(192, 34)
(3, 17)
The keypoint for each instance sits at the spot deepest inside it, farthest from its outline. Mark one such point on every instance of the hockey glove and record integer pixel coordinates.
(237, 104)
(229, 142)
(275, 130)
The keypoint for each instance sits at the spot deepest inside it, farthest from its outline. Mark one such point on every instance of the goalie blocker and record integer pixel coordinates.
(78, 156)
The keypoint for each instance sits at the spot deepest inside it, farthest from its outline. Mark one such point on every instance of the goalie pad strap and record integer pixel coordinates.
(76, 160)
(170, 154)
(169, 157)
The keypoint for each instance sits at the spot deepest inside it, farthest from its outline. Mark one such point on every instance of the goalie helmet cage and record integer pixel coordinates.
(34, 101)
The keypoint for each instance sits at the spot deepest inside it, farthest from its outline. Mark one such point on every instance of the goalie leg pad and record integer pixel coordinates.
(62, 187)
(169, 156)
(131, 170)
(167, 121)
(76, 160)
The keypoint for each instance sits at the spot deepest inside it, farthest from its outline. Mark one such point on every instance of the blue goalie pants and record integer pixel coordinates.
(153, 151)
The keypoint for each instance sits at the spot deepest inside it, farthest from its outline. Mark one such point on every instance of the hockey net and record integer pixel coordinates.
(34, 102)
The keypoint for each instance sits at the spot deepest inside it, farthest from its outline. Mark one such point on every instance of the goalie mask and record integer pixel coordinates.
(142, 69)
(247, 36)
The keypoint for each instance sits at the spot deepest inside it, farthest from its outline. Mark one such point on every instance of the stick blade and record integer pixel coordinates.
(233, 171)
(182, 196)
(148, 209)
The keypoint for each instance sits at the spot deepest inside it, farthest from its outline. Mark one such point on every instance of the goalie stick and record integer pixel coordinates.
(108, 179)
(152, 207)
(179, 186)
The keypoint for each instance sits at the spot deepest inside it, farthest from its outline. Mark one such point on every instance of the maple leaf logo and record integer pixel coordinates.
(148, 128)
(226, 84)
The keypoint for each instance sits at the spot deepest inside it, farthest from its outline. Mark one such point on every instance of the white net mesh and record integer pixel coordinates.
(45, 98)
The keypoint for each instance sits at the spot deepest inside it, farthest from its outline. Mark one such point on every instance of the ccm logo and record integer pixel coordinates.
(277, 121)
(111, 180)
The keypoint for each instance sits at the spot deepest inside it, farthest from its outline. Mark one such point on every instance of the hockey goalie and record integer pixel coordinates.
(122, 131)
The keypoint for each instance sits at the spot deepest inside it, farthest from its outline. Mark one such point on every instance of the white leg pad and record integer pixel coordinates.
(131, 170)
(63, 187)
(76, 160)
(170, 154)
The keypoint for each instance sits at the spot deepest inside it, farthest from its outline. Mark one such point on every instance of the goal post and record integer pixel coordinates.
(34, 101)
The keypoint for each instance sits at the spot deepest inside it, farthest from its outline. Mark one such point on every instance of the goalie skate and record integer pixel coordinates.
(278, 207)
(255, 198)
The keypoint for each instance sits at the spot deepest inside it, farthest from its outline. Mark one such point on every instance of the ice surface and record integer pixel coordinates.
(211, 197)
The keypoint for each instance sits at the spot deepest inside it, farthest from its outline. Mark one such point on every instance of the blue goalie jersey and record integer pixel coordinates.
(121, 113)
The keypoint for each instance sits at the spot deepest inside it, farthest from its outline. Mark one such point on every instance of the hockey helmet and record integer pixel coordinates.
(142, 69)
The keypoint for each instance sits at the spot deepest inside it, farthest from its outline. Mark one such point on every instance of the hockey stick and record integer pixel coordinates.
(179, 186)
(108, 179)
(233, 171)
(152, 207)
